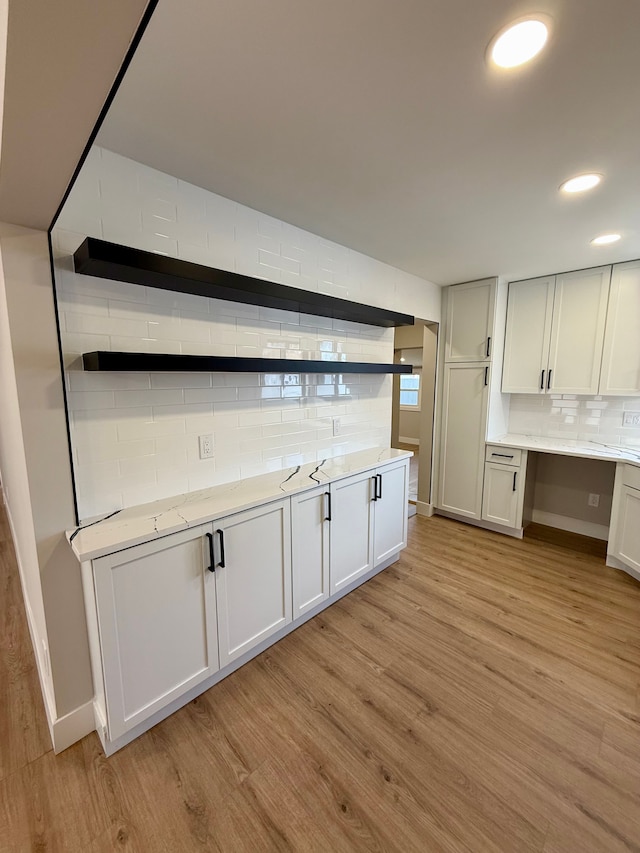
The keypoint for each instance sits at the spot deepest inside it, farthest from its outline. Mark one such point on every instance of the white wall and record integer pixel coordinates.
(135, 435)
(35, 460)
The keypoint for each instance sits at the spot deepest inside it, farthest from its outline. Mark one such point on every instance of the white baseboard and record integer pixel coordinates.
(36, 640)
(573, 525)
(424, 509)
(405, 440)
(73, 727)
(615, 563)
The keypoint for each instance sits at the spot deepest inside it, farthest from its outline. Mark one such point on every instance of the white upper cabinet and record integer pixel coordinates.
(528, 335)
(577, 331)
(621, 357)
(469, 321)
(555, 333)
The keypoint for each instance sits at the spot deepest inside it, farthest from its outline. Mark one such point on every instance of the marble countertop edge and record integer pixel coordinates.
(146, 522)
(569, 447)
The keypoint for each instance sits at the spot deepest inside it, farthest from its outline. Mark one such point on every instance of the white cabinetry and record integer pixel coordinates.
(390, 511)
(555, 333)
(168, 618)
(253, 577)
(621, 358)
(351, 534)
(156, 609)
(310, 518)
(624, 539)
(469, 321)
(501, 494)
(462, 438)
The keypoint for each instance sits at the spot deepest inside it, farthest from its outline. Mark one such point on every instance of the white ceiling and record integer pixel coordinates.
(61, 61)
(379, 125)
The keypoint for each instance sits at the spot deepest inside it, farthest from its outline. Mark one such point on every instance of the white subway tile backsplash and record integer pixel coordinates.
(135, 435)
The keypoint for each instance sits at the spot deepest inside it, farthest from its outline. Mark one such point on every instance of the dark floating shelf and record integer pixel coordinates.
(169, 362)
(122, 263)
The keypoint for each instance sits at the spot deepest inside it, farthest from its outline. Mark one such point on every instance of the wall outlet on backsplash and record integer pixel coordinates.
(205, 443)
(631, 419)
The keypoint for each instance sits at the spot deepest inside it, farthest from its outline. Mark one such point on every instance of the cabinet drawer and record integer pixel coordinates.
(503, 455)
(631, 476)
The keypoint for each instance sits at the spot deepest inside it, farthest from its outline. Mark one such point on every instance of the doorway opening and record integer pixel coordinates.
(412, 421)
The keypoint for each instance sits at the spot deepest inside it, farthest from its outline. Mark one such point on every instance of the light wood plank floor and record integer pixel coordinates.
(483, 694)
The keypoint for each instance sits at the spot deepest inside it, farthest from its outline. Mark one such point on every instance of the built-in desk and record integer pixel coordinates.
(623, 543)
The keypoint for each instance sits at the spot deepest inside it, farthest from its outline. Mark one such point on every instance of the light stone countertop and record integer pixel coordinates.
(146, 522)
(569, 447)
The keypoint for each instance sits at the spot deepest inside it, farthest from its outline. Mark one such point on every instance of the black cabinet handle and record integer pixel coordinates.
(549, 380)
(488, 347)
(503, 455)
(542, 381)
(375, 487)
(380, 492)
(486, 375)
(328, 515)
(515, 474)
(212, 559)
(221, 535)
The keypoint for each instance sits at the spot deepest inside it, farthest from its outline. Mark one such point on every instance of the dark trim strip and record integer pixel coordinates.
(135, 41)
(170, 362)
(62, 377)
(121, 263)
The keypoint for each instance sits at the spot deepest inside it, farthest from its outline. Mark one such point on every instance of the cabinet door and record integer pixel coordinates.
(470, 309)
(157, 622)
(621, 358)
(577, 331)
(351, 531)
(310, 517)
(500, 494)
(528, 334)
(253, 584)
(390, 511)
(464, 423)
(626, 534)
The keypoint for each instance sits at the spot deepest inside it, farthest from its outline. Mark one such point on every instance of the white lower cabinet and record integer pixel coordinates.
(156, 608)
(625, 542)
(253, 577)
(500, 496)
(167, 615)
(624, 539)
(351, 534)
(310, 519)
(390, 511)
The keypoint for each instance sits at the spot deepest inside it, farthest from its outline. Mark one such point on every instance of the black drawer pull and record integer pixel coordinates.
(328, 515)
(542, 381)
(486, 375)
(549, 380)
(212, 559)
(488, 347)
(380, 492)
(375, 487)
(503, 455)
(515, 474)
(221, 535)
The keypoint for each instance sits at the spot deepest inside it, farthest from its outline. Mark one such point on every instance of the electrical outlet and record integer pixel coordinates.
(337, 426)
(631, 419)
(206, 446)
(594, 500)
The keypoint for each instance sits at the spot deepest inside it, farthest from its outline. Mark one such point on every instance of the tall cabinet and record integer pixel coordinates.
(468, 351)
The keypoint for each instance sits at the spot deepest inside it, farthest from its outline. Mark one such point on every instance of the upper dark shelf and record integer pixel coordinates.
(108, 260)
(167, 362)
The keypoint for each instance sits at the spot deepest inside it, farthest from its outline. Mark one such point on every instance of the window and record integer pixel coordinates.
(410, 390)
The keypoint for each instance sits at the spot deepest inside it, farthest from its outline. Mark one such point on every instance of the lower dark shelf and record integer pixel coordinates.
(168, 362)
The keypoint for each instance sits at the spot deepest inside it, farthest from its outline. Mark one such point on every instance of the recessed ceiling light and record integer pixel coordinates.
(519, 42)
(603, 239)
(581, 183)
